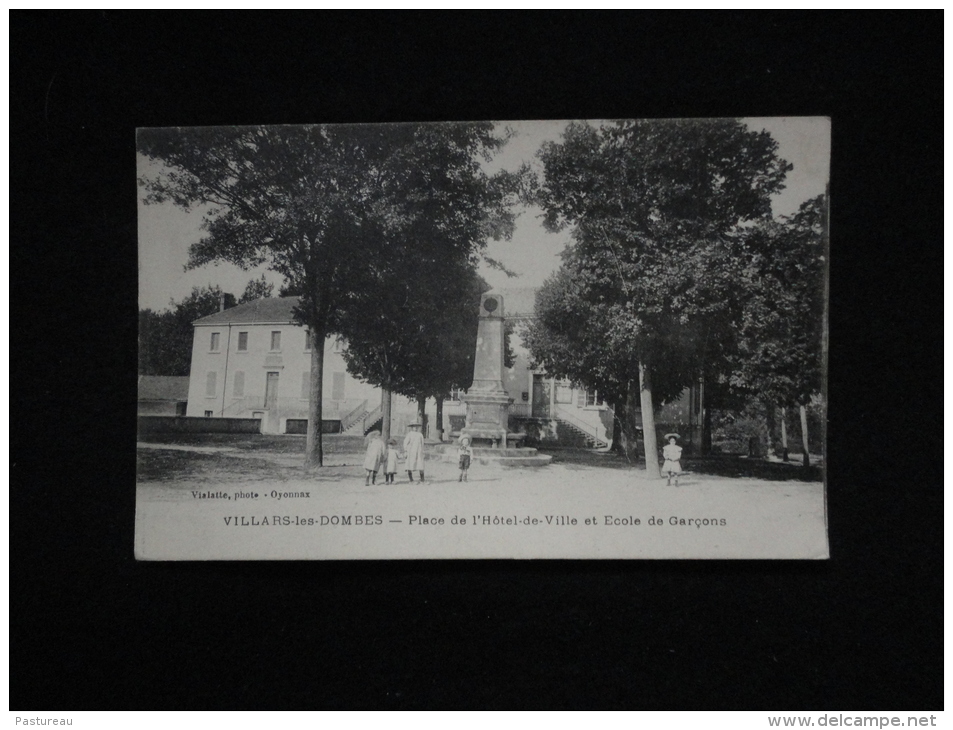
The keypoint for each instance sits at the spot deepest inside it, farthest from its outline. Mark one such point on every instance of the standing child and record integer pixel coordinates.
(673, 459)
(373, 457)
(466, 454)
(414, 449)
(390, 462)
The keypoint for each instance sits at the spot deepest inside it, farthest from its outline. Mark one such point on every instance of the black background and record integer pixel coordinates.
(92, 629)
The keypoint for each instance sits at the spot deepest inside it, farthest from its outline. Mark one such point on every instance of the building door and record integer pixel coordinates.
(542, 396)
(271, 403)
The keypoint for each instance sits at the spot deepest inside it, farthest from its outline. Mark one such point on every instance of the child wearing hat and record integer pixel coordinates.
(672, 453)
(390, 462)
(466, 453)
(414, 449)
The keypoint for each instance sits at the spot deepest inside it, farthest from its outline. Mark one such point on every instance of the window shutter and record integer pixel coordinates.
(238, 384)
(337, 386)
(210, 384)
(306, 384)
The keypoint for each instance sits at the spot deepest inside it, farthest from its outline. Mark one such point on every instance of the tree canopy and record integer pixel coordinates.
(165, 338)
(335, 209)
(257, 289)
(781, 329)
(655, 208)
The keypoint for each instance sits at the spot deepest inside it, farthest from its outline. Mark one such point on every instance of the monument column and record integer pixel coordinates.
(488, 403)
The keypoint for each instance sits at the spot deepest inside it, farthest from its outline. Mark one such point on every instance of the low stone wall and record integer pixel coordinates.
(193, 424)
(300, 425)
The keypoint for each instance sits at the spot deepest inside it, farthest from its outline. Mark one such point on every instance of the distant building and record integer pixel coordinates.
(253, 361)
(162, 395)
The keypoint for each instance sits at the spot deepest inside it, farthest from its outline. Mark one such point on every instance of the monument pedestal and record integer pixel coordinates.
(487, 416)
(488, 403)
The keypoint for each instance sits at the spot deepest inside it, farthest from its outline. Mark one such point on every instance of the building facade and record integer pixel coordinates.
(254, 361)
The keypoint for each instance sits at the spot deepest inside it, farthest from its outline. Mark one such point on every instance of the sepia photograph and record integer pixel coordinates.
(520, 339)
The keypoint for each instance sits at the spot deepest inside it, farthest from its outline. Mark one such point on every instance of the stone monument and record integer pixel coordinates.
(488, 403)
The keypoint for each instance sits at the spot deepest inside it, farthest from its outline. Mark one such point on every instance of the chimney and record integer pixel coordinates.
(221, 301)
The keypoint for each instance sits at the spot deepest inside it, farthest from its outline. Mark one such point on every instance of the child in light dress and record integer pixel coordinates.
(672, 453)
(373, 457)
(390, 462)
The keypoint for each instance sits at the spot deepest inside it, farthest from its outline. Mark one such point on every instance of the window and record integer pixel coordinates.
(276, 341)
(307, 340)
(455, 394)
(592, 398)
(306, 385)
(337, 386)
(242, 341)
(210, 384)
(208, 414)
(563, 393)
(238, 384)
(338, 345)
(213, 344)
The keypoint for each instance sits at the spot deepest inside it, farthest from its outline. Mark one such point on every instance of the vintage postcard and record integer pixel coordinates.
(524, 339)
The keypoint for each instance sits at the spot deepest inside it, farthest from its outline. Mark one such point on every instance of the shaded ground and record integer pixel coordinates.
(267, 457)
(722, 465)
(154, 465)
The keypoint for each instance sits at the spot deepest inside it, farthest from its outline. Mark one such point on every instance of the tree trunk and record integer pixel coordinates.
(438, 431)
(618, 438)
(704, 419)
(769, 418)
(784, 433)
(652, 469)
(385, 414)
(422, 414)
(705, 414)
(314, 451)
(807, 458)
(631, 423)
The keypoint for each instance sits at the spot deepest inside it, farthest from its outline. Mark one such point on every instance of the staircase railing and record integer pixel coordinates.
(371, 418)
(354, 416)
(589, 430)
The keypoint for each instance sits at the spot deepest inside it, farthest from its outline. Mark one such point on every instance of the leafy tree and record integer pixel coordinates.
(333, 208)
(165, 338)
(509, 354)
(780, 334)
(573, 337)
(257, 289)
(653, 205)
(414, 332)
(158, 350)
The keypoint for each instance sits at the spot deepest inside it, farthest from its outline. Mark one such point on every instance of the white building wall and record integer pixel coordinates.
(237, 386)
(241, 375)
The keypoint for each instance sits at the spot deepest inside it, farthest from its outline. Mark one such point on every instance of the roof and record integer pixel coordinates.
(517, 301)
(276, 309)
(164, 387)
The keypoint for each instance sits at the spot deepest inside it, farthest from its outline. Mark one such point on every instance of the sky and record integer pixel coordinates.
(166, 232)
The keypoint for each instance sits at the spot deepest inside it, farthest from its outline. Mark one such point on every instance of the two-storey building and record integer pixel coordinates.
(254, 361)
